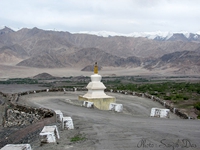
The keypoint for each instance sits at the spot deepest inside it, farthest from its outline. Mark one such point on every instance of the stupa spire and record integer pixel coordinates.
(95, 68)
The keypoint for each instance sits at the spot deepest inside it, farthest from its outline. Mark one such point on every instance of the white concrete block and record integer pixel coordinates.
(161, 113)
(17, 147)
(49, 134)
(47, 90)
(75, 89)
(174, 110)
(88, 104)
(68, 100)
(116, 107)
(112, 106)
(34, 91)
(59, 115)
(164, 104)
(67, 123)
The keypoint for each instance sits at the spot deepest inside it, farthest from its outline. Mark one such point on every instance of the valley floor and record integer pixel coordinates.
(9, 71)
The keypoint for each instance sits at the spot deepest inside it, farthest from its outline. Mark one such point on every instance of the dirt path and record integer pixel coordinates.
(105, 130)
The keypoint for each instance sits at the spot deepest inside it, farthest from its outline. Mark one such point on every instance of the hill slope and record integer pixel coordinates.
(52, 49)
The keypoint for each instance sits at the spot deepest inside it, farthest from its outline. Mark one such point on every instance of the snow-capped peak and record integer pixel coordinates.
(150, 35)
(159, 35)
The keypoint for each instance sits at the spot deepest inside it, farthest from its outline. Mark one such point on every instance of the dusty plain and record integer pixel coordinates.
(132, 129)
(11, 71)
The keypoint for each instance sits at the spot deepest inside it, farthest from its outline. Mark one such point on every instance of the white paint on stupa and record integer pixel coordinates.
(49, 134)
(96, 92)
(161, 113)
(96, 88)
(116, 107)
(17, 147)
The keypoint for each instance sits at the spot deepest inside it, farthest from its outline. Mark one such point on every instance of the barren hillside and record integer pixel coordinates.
(52, 49)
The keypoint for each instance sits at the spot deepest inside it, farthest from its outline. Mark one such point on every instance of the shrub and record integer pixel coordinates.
(197, 105)
(167, 97)
(185, 97)
(77, 138)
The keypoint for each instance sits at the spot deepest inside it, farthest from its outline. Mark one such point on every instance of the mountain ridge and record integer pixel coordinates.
(160, 36)
(56, 49)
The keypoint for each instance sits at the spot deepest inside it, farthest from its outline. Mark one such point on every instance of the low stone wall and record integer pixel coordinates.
(170, 106)
(26, 134)
(22, 123)
(15, 97)
(20, 115)
(17, 114)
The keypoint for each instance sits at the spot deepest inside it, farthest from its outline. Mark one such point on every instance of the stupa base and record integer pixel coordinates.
(100, 103)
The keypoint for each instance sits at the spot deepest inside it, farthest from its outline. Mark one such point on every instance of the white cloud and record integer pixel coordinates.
(124, 16)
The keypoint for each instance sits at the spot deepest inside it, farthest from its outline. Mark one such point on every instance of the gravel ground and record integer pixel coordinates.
(17, 88)
(106, 130)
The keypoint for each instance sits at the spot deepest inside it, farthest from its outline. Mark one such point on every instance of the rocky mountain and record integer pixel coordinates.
(186, 62)
(44, 76)
(12, 54)
(36, 41)
(53, 49)
(44, 60)
(81, 58)
(159, 36)
(90, 68)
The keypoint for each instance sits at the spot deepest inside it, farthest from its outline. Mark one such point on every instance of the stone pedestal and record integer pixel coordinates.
(100, 103)
(96, 94)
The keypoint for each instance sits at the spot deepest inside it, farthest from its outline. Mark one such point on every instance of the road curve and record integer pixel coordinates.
(106, 130)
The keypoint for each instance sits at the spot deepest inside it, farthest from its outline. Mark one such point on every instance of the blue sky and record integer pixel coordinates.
(121, 16)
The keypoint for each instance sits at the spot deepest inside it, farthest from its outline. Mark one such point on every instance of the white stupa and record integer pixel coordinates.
(96, 92)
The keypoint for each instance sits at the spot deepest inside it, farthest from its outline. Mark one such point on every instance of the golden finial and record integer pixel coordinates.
(95, 68)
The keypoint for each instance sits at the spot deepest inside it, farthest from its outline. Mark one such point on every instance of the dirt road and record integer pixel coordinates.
(106, 130)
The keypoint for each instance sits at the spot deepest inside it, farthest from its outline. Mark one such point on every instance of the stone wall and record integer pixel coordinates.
(34, 119)
(20, 115)
(22, 123)
(15, 97)
(26, 134)
(167, 105)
